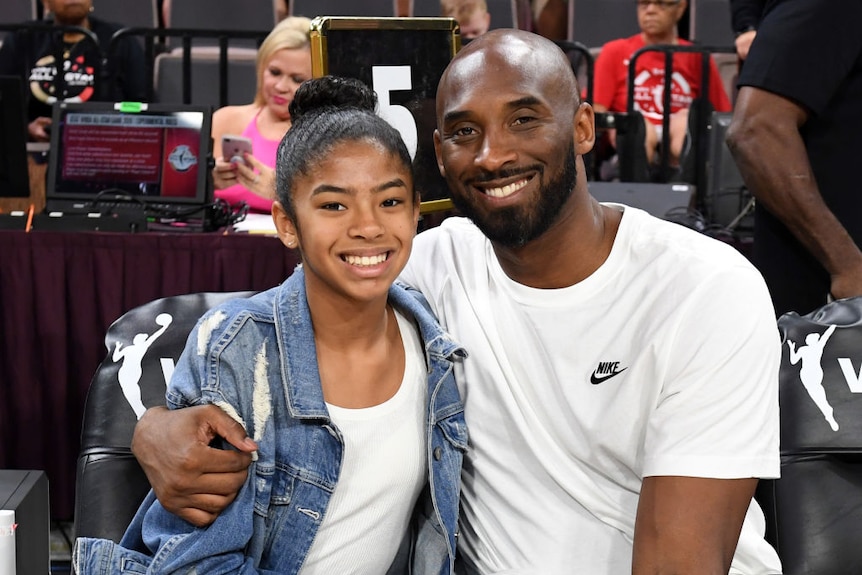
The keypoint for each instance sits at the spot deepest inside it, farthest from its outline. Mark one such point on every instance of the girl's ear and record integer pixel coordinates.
(285, 226)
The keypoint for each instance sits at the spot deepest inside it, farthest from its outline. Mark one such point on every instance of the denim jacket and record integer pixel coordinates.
(270, 526)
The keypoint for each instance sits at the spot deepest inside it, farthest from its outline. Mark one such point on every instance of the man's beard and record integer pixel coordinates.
(515, 226)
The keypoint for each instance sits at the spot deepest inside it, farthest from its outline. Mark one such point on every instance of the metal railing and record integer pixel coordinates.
(156, 41)
(701, 119)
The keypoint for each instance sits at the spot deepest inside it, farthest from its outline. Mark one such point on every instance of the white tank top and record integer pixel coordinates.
(383, 472)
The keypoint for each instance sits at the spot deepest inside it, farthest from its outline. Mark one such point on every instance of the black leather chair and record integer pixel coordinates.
(143, 346)
(814, 512)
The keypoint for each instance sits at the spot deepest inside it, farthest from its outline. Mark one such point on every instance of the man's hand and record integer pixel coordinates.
(38, 129)
(190, 478)
(848, 281)
(743, 43)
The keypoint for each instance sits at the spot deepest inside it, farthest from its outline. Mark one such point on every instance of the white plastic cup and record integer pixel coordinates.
(7, 542)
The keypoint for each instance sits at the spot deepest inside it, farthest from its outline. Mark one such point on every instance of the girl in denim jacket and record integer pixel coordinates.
(342, 378)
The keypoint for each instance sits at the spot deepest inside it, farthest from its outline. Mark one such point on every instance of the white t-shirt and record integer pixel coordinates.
(383, 470)
(663, 362)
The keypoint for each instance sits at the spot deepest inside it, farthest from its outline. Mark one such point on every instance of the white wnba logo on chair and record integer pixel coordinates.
(132, 355)
(811, 372)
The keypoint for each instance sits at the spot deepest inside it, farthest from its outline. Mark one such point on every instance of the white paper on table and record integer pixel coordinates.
(257, 224)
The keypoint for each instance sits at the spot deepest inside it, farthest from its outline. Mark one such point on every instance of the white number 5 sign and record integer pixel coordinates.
(386, 79)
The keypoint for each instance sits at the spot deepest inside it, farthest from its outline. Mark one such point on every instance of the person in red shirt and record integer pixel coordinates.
(658, 23)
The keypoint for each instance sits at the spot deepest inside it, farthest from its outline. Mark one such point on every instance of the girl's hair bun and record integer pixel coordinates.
(330, 93)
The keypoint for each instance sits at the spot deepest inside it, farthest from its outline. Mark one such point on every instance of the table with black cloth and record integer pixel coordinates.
(59, 292)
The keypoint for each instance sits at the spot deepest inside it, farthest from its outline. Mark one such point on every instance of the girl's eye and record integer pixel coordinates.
(391, 202)
(333, 206)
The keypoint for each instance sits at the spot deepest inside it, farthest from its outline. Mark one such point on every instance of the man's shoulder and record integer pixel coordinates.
(689, 246)
(699, 269)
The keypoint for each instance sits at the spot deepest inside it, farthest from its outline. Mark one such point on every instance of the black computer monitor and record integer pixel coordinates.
(14, 181)
(139, 153)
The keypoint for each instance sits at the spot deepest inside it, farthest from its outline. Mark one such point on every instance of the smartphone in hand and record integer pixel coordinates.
(233, 148)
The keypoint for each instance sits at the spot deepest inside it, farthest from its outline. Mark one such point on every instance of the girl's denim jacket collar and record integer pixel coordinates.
(273, 521)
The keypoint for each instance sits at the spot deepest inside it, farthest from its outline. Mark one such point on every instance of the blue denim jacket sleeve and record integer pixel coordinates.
(179, 547)
(216, 549)
(166, 543)
(220, 547)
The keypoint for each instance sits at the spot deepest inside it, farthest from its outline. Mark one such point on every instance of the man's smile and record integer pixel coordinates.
(506, 190)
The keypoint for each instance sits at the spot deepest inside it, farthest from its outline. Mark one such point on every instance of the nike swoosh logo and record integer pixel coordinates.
(597, 379)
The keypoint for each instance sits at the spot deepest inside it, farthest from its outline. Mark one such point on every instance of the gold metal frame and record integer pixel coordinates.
(432, 206)
(321, 25)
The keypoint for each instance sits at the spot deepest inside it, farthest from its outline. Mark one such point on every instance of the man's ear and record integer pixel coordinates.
(584, 129)
(437, 145)
(285, 226)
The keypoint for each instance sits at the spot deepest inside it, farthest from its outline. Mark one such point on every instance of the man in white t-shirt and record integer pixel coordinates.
(621, 388)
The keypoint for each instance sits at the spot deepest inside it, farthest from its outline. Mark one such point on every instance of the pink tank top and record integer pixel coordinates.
(265, 151)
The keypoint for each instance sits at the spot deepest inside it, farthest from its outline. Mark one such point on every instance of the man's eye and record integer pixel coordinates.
(392, 202)
(520, 121)
(465, 131)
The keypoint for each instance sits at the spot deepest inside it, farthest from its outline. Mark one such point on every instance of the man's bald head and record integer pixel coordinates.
(515, 54)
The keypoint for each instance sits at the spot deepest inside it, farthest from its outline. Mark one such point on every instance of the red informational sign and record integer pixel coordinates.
(112, 153)
(145, 154)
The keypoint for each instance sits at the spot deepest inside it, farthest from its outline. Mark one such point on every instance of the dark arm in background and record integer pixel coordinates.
(765, 141)
(190, 478)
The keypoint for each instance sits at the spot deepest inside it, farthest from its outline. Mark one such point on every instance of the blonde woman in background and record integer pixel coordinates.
(283, 63)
